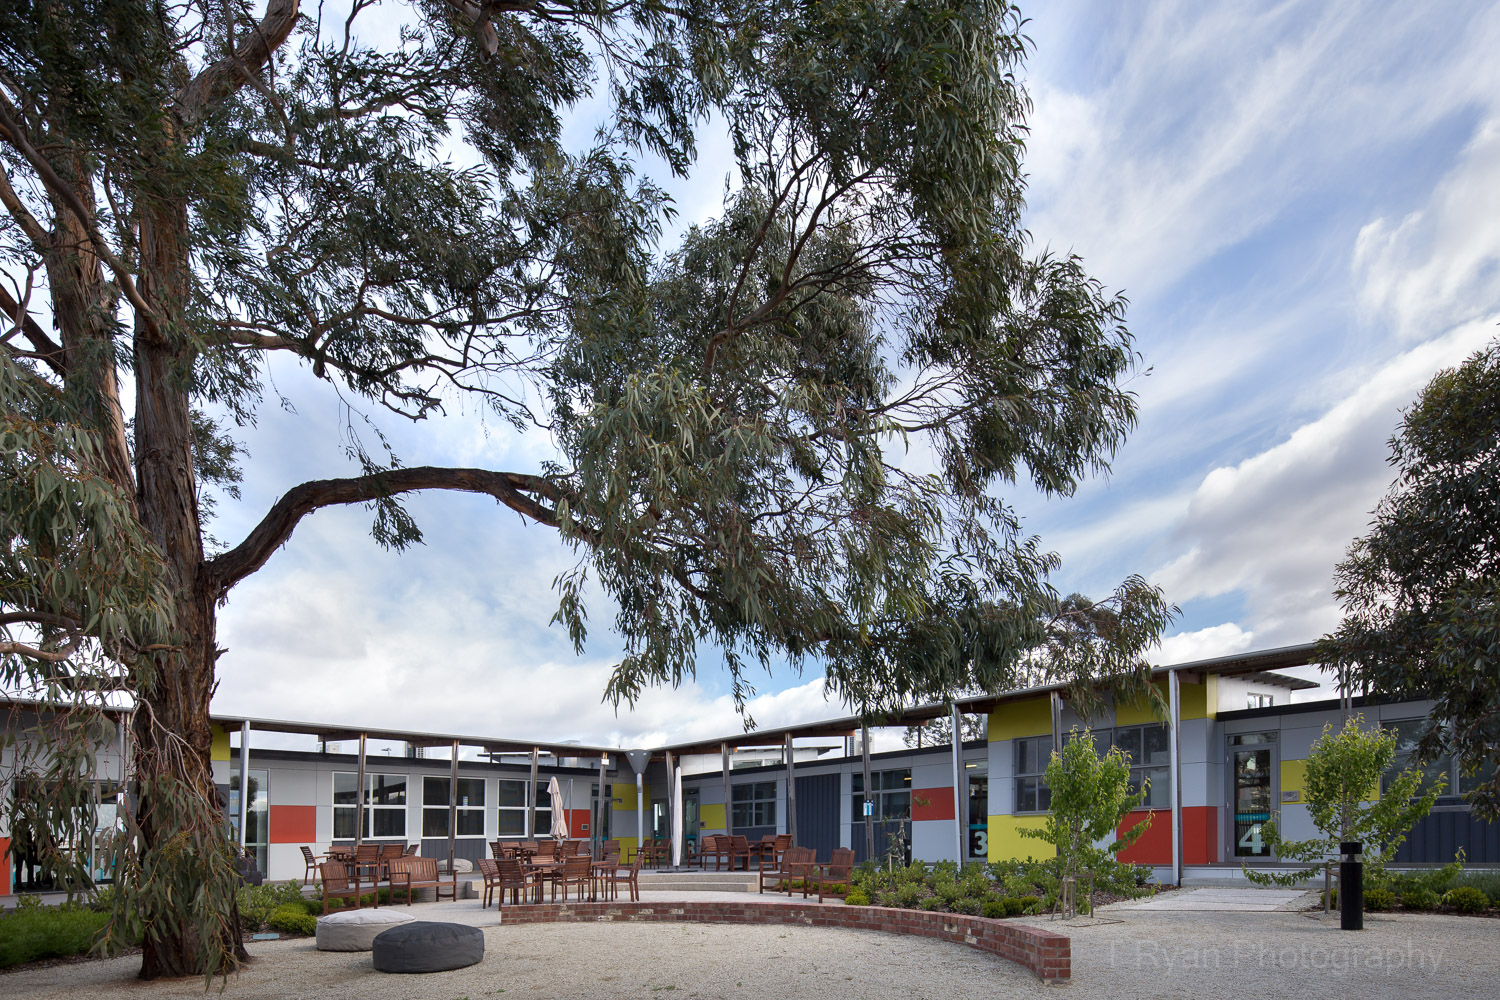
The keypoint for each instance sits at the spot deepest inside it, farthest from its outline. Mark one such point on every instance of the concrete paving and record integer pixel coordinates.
(1222, 899)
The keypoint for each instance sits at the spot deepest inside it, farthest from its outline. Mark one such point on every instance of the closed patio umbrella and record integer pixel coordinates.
(559, 814)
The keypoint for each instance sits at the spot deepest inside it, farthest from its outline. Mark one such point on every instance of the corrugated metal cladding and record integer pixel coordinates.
(469, 849)
(884, 831)
(818, 813)
(1437, 838)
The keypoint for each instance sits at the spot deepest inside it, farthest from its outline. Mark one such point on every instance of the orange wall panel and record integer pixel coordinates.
(293, 824)
(938, 803)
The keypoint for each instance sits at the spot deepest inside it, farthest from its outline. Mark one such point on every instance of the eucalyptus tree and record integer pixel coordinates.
(1421, 590)
(782, 436)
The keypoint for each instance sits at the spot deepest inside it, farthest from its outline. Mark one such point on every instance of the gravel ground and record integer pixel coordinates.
(1217, 956)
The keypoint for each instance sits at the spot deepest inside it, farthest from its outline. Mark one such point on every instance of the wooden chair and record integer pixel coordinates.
(798, 864)
(608, 846)
(838, 871)
(778, 847)
(608, 863)
(629, 875)
(367, 858)
(312, 861)
(418, 873)
(576, 870)
(411, 850)
(709, 848)
(739, 849)
(390, 851)
(513, 878)
(338, 885)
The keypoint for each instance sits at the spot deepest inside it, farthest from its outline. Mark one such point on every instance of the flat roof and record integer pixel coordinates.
(1258, 665)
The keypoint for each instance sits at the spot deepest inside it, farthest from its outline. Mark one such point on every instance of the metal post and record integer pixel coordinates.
(244, 781)
(452, 805)
(359, 797)
(791, 790)
(640, 812)
(869, 796)
(531, 799)
(728, 800)
(1174, 697)
(960, 802)
(1056, 722)
(671, 816)
(598, 830)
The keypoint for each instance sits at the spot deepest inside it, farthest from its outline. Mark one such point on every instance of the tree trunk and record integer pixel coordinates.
(179, 802)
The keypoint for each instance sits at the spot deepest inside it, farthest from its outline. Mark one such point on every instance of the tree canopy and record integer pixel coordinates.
(1421, 591)
(783, 437)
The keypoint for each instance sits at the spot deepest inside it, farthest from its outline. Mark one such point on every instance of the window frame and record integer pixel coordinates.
(1159, 773)
(756, 807)
(464, 811)
(364, 818)
(1031, 781)
(891, 786)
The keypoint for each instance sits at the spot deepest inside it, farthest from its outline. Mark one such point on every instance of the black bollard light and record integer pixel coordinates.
(1351, 886)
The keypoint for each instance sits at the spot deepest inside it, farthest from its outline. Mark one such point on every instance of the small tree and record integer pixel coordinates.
(1346, 802)
(1090, 797)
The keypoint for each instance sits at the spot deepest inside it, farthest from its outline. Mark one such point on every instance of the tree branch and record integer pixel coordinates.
(514, 490)
(45, 348)
(220, 80)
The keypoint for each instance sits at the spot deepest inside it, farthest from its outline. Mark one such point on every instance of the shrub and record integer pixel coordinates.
(34, 931)
(1014, 906)
(1379, 898)
(910, 895)
(1486, 881)
(931, 903)
(1031, 905)
(993, 909)
(292, 918)
(968, 904)
(857, 897)
(1419, 897)
(1467, 899)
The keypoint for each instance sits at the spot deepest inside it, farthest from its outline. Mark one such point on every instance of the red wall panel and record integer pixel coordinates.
(938, 803)
(293, 824)
(1200, 836)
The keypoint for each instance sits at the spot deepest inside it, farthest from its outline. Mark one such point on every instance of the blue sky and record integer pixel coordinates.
(1301, 201)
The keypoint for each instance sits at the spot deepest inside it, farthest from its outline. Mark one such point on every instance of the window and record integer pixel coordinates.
(1032, 793)
(384, 805)
(1259, 701)
(891, 797)
(1150, 752)
(754, 804)
(512, 808)
(470, 811)
(543, 811)
(1408, 732)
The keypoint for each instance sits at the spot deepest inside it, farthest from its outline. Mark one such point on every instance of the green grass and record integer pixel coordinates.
(30, 933)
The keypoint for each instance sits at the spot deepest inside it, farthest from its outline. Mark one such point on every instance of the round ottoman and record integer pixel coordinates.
(427, 946)
(355, 930)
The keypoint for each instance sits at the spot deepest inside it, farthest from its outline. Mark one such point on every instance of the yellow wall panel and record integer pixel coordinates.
(711, 816)
(1293, 777)
(1007, 844)
(1013, 719)
(623, 794)
(220, 749)
(1198, 702)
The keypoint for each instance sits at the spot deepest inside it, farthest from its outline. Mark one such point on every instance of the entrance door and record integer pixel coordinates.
(1251, 796)
(690, 822)
(979, 818)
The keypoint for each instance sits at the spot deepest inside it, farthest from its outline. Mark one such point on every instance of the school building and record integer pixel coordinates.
(1228, 755)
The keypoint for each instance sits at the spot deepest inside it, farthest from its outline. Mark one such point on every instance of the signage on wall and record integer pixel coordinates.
(1291, 796)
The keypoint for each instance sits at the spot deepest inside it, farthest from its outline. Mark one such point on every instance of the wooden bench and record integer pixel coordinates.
(415, 872)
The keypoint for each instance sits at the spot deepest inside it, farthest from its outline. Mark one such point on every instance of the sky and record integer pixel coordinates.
(1302, 203)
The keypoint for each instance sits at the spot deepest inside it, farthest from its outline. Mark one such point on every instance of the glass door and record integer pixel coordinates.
(979, 817)
(690, 823)
(1251, 800)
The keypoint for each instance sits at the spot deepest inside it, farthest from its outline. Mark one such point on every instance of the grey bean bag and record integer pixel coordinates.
(427, 946)
(355, 930)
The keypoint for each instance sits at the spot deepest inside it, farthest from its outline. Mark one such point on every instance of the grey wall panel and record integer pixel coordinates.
(818, 813)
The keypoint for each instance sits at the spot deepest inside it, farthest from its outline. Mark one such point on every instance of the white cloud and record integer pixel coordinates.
(1273, 526)
(1440, 265)
(1216, 640)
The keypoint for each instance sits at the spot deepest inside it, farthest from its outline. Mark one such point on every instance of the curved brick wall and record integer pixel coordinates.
(1045, 953)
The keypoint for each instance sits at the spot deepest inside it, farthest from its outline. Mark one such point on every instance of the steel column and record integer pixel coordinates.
(531, 799)
(960, 801)
(728, 801)
(452, 805)
(791, 790)
(598, 830)
(1174, 697)
(864, 753)
(359, 797)
(244, 781)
